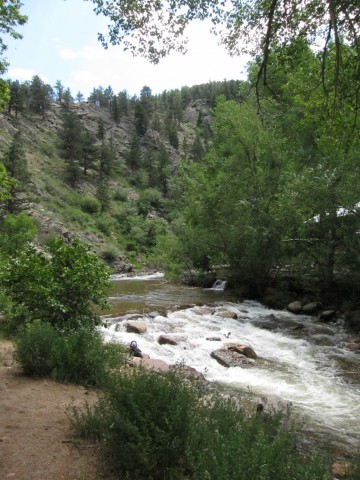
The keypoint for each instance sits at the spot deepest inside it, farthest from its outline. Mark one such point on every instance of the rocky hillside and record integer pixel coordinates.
(136, 208)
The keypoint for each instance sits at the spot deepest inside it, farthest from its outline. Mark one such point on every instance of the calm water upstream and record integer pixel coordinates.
(309, 367)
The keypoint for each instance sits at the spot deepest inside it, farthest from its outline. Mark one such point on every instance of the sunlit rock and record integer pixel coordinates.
(167, 340)
(150, 364)
(231, 358)
(136, 327)
(242, 349)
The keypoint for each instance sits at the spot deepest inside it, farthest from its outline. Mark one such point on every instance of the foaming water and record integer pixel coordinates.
(299, 359)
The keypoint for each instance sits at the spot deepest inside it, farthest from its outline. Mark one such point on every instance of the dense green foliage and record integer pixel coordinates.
(79, 356)
(160, 426)
(60, 287)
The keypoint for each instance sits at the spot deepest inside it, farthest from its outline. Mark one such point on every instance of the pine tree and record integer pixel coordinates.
(89, 151)
(17, 169)
(71, 145)
(40, 95)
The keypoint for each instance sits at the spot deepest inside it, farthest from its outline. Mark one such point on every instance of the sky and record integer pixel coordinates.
(60, 43)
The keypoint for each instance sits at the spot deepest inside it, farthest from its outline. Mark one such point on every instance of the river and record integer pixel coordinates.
(301, 361)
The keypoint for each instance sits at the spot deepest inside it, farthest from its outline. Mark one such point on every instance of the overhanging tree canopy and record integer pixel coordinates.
(153, 28)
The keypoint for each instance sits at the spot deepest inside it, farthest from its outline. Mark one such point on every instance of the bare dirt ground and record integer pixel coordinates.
(36, 442)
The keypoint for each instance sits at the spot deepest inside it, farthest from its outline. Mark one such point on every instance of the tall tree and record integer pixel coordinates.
(234, 212)
(89, 151)
(16, 165)
(40, 95)
(18, 97)
(107, 156)
(59, 90)
(134, 155)
(71, 145)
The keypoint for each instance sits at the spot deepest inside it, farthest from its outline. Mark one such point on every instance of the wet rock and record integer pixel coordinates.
(136, 327)
(353, 347)
(153, 314)
(204, 310)
(295, 307)
(312, 307)
(213, 339)
(298, 326)
(327, 315)
(167, 340)
(245, 350)
(230, 358)
(229, 314)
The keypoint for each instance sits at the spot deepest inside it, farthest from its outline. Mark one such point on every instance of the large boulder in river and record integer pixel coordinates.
(229, 358)
(295, 307)
(167, 340)
(245, 350)
(311, 308)
(136, 327)
(353, 347)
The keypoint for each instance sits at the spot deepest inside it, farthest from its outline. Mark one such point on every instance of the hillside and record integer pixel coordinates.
(136, 206)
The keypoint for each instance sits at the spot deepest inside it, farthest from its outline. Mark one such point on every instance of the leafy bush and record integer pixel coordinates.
(60, 288)
(109, 255)
(227, 444)
(120, 195)
(106, 225)
(16, 232)
(79, 357)
(90, 205)
(161, 427)
(144, 420)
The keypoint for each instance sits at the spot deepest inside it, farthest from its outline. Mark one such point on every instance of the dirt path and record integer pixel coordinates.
(35, 438)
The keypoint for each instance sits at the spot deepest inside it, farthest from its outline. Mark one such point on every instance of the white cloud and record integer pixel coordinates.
(92, 66)
(23, 74)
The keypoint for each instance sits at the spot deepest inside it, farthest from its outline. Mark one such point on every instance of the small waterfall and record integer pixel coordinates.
(219, 285)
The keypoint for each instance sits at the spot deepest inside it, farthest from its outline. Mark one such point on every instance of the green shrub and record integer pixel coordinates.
(79, 357)
(144, 420)
(34, 347)
(109, 255)
(61, 288)
(106, 225)
(120, 195)
(161, 427)
(16, 232)
(90, 205)
(227, 444)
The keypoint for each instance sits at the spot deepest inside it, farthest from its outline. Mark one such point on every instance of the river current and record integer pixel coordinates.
(302, 361)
